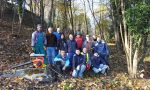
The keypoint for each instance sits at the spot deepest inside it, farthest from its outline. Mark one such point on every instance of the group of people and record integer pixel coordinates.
(75, 54)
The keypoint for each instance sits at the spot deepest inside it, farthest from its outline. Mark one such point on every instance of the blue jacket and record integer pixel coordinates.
(78, 60)
(71, 45)
(58, 35)
(101, 48)
(60, 58)
(96, 61)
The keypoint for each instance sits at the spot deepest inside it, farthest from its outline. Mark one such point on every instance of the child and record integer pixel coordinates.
(86, 58)
(78, 64)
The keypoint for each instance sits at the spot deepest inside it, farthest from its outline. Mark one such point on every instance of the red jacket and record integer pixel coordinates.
(79, 42)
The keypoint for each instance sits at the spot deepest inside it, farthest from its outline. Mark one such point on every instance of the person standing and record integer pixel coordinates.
(38, 41)
(79, 41)
(62, 43)
(58, 33)
(58, 36)
(88, 44)
(51, 45)
(71, 45)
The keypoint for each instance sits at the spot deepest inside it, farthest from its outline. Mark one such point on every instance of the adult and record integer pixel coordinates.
(71, 45)
(102, 49)
(94, 38)
(79, 41)
(62, 43)
(58, 33)
(62, 62)
(39, 41)
(98, 64)
(88, 44)
(58, 36)
(51, 45)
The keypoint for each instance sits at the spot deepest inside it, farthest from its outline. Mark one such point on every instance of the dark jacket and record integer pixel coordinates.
(71, 45)
(86, 57)
(62, 44)
(78, 60)
(101, 48)
(96, 61)
(51, 40)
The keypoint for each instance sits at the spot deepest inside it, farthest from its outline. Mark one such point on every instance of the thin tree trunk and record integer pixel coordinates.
(42, 12)
(13, 19)
(85, 17)
(71, 18)
(116, 26)
(32, 16)
(136, 59)
(65, 15)
(93, 13)
(51, 14)
(1, 8)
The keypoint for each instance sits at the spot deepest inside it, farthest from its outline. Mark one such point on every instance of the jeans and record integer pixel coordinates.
(78, 72)
(102, 68)
(51, 53)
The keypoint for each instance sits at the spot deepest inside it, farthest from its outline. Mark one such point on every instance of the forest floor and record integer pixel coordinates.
(15, 49)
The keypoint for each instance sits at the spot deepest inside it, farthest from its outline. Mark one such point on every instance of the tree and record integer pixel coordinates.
(21, 7)
(85, 17)
(42, 12)
(134, 27)
(114, 15)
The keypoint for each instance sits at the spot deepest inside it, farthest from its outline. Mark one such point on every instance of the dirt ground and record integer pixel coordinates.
(15, 49)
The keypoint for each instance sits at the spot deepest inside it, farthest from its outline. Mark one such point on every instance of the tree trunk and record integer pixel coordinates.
(32, 16)
(71, 18)
(91, 9)
(42, 13)
(65, 15)
(116, 25)
(85, 17)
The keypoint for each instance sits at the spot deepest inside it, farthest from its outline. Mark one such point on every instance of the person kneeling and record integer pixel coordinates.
(62, 62)
(78, 64)
(98, 64)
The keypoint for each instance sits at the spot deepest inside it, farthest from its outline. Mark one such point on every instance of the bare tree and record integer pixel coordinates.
(85, 17)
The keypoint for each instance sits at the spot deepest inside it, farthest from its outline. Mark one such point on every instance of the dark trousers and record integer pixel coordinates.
(59, 66)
